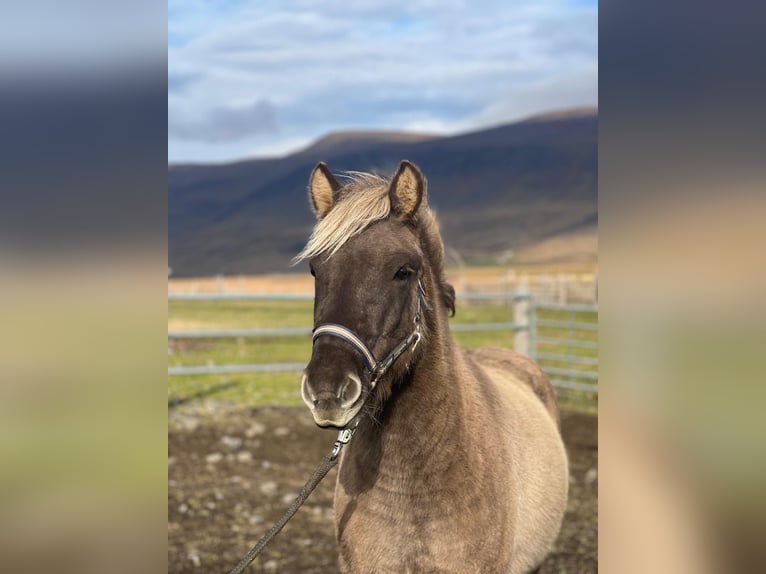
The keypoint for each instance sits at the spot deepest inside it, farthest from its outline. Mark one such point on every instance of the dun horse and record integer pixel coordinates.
(457, 463)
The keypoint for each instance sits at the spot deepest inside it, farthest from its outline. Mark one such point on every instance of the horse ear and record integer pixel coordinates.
(323, 190)
(408, 188)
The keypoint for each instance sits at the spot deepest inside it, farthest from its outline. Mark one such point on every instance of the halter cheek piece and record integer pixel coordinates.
(376, 368)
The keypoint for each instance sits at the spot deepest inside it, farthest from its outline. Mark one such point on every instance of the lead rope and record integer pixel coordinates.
(321, 471)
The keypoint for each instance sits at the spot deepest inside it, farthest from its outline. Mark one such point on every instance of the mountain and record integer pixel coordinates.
(508, 189)
(345, 141)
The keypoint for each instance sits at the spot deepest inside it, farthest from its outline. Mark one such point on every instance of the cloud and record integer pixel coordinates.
(224, 124)
(178, 81)
(384, 65)
(578, 89)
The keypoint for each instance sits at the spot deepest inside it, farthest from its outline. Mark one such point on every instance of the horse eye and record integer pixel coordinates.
(313, 273)
(403, 273)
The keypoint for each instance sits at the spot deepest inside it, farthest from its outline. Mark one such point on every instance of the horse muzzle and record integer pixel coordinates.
(333, 405)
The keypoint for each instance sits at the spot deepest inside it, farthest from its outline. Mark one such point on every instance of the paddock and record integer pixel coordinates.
(233, 471)
(233, 468)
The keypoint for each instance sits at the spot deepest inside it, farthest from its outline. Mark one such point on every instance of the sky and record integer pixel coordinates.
(264, 78)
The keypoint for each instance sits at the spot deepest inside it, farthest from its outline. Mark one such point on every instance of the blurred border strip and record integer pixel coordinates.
(681, 211)
(83, 268)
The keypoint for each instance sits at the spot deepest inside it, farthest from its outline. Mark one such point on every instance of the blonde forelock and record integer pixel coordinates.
(362, 201)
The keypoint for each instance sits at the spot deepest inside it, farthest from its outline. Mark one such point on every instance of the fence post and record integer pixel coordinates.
(522, 320)
(561, 289)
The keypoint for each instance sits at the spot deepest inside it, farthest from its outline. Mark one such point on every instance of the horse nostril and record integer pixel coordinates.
(350, 391)
(306, 394)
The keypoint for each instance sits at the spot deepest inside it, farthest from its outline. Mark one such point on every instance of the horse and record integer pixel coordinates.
(457, 462)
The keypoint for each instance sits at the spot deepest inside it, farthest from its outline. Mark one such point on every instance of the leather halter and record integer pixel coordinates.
(376, 368)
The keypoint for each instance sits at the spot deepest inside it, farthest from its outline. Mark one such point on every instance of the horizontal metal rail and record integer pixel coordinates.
(236, 333)
(297, 367)
(572, 308)
(469, 327)
(493, 296)
(567, 343)
(298, 332)
(574, 359)
(235, 369)
(571, 373)
(310, 296)
(240, 296)
(574, 326)
(574, 386)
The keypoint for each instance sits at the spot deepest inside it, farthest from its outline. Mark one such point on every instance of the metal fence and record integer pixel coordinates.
(566, 345)
(562, 338)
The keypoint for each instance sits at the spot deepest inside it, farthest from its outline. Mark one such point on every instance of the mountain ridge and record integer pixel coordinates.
(498, 189)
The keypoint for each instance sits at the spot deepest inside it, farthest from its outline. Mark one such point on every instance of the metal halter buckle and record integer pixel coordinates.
(343, 437)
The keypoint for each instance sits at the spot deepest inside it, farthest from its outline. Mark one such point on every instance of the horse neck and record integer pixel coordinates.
(423, 411)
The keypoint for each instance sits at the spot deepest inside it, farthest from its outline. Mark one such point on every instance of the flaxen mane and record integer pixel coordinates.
(362, 201)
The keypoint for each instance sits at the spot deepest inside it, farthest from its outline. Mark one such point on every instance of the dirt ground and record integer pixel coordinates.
(233, 473)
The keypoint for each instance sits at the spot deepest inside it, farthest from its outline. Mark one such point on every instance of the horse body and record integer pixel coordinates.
(457, 464)
(469, 478)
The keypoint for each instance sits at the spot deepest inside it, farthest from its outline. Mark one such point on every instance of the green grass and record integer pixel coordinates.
(243, 314)
(246, 390)
(283, 388)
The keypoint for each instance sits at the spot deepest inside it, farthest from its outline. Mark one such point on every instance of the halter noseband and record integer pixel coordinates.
(376, 368)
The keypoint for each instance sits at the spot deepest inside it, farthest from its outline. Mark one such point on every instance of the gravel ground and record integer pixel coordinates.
(232, 473)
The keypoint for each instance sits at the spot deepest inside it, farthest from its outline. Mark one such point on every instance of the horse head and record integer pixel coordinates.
(369, 263)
